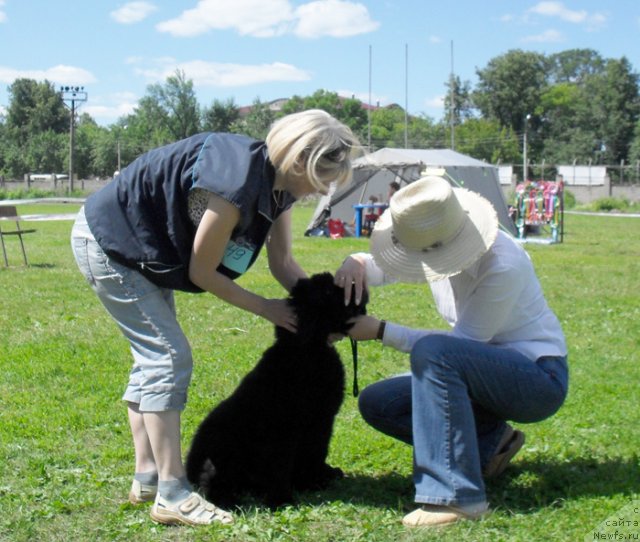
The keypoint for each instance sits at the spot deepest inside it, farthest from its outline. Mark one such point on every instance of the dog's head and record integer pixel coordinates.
(320, 308)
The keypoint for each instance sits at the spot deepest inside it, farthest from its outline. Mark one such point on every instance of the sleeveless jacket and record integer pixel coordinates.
(141, 217)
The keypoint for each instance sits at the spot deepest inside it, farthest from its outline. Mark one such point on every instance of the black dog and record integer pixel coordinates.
(271, 436)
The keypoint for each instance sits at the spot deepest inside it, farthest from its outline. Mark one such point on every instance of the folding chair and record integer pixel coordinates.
(10, 213)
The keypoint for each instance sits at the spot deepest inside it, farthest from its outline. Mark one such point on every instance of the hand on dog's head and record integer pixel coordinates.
(319, 306)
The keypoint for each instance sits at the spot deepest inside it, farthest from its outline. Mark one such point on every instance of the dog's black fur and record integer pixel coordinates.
(271, 436)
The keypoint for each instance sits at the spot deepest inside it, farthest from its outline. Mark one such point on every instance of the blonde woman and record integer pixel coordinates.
(193, 216)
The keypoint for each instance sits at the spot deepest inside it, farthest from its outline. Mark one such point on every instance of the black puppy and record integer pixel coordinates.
(271, 436)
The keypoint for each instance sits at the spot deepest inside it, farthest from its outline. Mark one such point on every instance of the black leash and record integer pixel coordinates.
(354, 354)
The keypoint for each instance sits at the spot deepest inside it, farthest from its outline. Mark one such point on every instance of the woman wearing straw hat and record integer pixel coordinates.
(505, 357)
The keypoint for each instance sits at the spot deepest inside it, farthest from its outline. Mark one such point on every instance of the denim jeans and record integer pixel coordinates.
(453, 408)
(146, 315)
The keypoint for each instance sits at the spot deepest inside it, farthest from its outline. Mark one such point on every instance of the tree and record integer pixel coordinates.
(634, 149)
(349, 111)
(509, 88)
(574, 66)
(257, 122)
(559, 137)
(33, 108)
(36, 121)
(487, 140)
(613, 108)
(177, 100)
(220, 116)
(462, 103)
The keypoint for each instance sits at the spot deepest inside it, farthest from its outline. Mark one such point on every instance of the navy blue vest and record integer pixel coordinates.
(141, 218)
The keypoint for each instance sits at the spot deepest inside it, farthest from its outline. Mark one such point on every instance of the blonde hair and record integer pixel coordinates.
(312, 143)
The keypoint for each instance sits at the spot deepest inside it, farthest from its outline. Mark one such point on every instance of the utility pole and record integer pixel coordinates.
(452, 105)
(524, 150)
(72, 95)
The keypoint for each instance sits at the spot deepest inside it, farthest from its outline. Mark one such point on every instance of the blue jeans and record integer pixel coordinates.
(453, 408)
(146, 315)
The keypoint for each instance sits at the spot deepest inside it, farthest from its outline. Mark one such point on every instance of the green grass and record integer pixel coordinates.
(65, 452)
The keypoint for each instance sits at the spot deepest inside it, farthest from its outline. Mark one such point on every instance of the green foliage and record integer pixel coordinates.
(65, 449)
(220, 116)
(569, 199)
(257, 122)
(582, 107)
(611, 204)
(509, 88)
(487, 140)
(178, 104)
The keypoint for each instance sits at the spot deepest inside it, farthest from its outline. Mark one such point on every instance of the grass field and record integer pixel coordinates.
(65, 452)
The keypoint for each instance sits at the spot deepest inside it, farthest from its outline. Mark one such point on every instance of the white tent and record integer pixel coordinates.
(373, 173)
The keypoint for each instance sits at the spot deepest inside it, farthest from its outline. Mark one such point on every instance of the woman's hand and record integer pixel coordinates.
(365, 328)
(352, 277)
(279, 313)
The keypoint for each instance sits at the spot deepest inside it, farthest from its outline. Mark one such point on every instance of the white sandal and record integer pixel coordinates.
(141, 493)
(194, 510)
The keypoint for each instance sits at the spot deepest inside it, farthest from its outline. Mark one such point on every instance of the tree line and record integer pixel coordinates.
(573, 106)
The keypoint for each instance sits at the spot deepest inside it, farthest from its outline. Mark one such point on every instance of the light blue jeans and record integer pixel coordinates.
(146, 315)
(453, 408)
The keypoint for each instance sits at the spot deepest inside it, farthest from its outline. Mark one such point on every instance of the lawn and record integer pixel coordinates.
(65, 452)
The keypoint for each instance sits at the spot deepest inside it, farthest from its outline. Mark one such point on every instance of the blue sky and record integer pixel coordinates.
(269, 49)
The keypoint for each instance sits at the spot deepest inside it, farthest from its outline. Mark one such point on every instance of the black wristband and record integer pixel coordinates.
(381, 327)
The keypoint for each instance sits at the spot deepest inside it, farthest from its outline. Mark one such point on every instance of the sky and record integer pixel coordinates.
(380, 51)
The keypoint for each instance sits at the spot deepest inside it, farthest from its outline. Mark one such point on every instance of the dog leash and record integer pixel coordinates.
(354, 354)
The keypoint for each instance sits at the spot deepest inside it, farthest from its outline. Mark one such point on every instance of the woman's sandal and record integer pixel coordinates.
(510, 444)
(141, 493)
(194, 510)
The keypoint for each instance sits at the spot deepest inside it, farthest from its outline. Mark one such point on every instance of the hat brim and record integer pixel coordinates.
(474, 239)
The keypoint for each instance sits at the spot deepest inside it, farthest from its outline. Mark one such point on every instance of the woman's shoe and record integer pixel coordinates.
(510, 444)
(194, 510)
(431, 515)
(140, 492)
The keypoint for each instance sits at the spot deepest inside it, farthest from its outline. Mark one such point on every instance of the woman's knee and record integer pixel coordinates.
(430, 353)
(370, 403)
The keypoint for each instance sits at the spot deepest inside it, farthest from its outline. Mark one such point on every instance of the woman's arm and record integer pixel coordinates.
(282, 265)
(212, 236)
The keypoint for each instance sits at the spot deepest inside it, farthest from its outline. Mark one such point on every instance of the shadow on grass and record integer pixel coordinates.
(525, 487)
(530, 485)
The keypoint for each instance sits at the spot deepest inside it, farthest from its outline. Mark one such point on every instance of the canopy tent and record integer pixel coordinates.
(372, 174)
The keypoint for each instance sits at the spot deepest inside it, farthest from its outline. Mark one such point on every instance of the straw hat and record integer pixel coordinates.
(432, 231)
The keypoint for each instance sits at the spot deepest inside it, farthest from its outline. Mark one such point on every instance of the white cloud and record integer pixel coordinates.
(435, 102)
(435, 39)
(558, 10)
(215, 74)
(269, 18)
(133, 12)
(258, 18)
(3, 15)
(111, 107)
(548, 36)
(334, 18)
(59, 75)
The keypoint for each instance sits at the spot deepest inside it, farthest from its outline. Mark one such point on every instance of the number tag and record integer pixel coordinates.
(237, 257)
